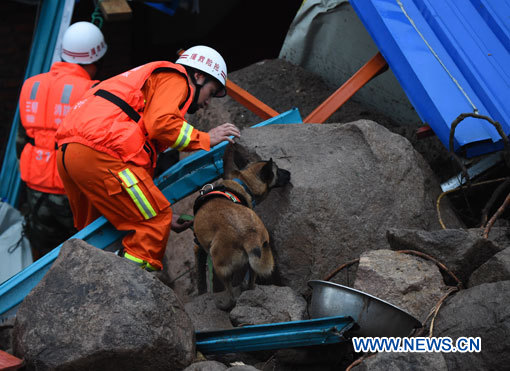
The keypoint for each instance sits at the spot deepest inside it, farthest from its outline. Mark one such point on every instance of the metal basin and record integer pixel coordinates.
(374, 316)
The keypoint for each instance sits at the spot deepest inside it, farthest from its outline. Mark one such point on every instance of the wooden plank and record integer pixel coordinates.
(9, 362)
(115, 10)
(249, 101)
(372, 68)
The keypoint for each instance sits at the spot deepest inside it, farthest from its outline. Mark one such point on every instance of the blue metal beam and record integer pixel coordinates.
(40, 60)
(327, 330)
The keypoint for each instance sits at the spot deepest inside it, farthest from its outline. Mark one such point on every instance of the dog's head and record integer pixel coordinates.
(260, 177)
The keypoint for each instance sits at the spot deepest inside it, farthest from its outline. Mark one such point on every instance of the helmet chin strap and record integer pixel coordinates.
(193, 107)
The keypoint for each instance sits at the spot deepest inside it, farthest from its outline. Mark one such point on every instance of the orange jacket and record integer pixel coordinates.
(44, 101)
(156, 96)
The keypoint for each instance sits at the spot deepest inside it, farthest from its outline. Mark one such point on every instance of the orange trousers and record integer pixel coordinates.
(93, 186)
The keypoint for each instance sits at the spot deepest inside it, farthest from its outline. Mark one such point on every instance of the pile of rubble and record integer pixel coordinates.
(359, 193)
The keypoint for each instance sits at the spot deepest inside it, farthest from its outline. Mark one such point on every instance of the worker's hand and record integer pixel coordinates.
(223, 132)
(179, 227)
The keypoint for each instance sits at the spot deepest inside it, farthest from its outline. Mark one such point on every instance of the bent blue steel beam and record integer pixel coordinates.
(179, 181)
(41, 56)
(317, 331)
(450, 57)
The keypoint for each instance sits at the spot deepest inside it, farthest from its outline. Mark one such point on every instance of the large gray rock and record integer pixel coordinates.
(268, 304)
(285, 85)
(500, 235)
(461, 251)
(403, 362)
(369, 180)
(481, 311)
(410, 283)
(205, 315)
(96, 311)
(179, 270)
(495, 269)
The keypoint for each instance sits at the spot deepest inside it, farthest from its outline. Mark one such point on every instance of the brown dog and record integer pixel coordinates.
(226, 226)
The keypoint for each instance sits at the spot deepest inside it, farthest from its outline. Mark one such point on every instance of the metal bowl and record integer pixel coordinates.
(374, 316)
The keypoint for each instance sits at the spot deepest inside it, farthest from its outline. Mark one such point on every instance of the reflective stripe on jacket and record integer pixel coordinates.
(44, 101)
(104, 126)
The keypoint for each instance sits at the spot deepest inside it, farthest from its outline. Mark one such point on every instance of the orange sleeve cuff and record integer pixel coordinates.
(199, 140)
(205, 141)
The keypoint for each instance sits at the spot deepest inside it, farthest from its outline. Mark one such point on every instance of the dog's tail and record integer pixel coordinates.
(261, 259)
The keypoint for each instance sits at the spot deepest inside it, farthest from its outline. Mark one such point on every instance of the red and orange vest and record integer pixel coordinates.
(97, 122)
(45, 100)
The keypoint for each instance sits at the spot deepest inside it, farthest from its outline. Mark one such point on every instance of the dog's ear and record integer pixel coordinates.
(237, 157)
(266, 173)
(240, 161)
(232, 159)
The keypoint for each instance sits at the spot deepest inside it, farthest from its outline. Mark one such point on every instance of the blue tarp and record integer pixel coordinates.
(450, 57)
(41, 57)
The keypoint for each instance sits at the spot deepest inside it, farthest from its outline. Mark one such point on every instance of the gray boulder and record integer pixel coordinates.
(500, 235)
(205, 315)
(409, 282)
(96, 311)
(495, 269)
(369, 180)
(268, 304)
(481, 311)
(461, 251)
(179, 270)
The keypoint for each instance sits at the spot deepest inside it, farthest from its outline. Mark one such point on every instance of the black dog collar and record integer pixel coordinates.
(247, 190)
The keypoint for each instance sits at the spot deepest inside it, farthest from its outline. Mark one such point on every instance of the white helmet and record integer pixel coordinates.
(83, 43)
(208, 60)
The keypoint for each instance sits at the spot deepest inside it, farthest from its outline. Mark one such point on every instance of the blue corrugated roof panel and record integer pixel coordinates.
(450, 57)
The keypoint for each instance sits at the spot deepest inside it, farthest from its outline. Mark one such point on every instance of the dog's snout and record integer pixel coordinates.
(282, 177)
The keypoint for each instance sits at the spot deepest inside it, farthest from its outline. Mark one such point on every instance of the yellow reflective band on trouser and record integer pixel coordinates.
(142, 263)
(184, 137)
(130, 184)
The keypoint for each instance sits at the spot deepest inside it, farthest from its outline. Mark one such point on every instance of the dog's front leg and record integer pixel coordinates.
(226, 299)
(253, 278)
(249, 280)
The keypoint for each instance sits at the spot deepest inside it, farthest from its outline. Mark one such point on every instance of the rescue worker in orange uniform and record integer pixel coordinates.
(44, 101)
(109, 142)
